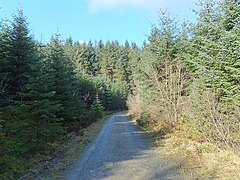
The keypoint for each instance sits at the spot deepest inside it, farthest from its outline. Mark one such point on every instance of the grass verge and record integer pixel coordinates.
(196, 159)
(200, 160)
(75, 147)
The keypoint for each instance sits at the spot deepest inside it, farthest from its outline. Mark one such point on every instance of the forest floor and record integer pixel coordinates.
(121, 151)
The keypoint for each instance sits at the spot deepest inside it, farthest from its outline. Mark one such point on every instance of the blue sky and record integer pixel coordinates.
(95, 19)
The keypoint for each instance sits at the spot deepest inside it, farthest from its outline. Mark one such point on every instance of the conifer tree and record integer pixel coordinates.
(22, 57)
(93, 68)
(63, 79)
(97, 108)
(212, 57)
(105, 69)
(125, 62)
(29, 118)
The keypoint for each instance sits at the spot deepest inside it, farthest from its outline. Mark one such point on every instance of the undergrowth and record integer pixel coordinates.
(66, 153)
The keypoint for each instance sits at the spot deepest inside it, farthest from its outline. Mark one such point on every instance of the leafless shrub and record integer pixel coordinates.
(162, 95)
(167, 100)
(134, 105)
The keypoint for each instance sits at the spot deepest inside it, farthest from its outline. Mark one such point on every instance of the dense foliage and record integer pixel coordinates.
(48, 90)
(188, 77)
(184, 76)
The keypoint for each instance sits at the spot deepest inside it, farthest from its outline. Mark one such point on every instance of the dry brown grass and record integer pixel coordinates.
(202, 160)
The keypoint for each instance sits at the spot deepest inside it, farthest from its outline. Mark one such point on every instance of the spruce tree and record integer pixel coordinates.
(97, 108)
(22, 57)
(105, 69)
(63, 80)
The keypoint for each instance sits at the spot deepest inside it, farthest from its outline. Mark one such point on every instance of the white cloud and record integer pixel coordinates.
(95, 5)
(82, 41)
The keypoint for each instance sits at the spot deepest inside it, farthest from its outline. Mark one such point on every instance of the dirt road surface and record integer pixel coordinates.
(121, 152)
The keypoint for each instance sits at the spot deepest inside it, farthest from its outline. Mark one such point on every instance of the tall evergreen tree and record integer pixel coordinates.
(22, 57)
(63, 79)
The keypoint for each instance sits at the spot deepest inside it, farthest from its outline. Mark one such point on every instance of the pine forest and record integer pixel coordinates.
(184, 80)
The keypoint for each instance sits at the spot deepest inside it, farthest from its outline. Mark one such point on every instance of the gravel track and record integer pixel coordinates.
(121, 152)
